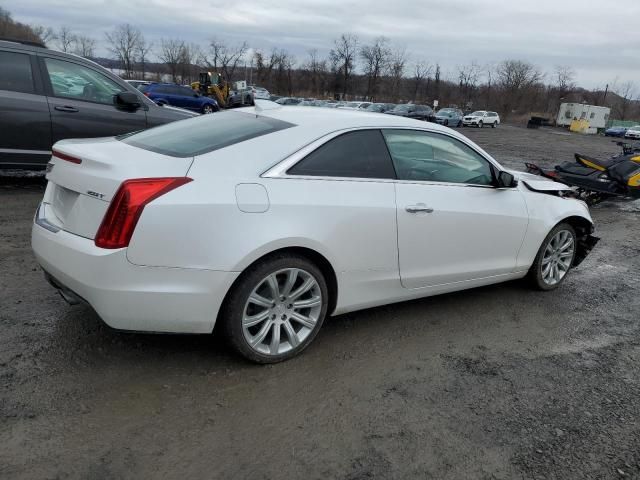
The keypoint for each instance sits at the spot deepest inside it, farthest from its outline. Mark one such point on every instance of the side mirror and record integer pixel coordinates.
(127, 100)
(506, 180)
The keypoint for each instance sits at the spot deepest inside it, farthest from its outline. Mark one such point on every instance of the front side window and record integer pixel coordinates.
(360, 154)
(15, 72)
(432, 157)
(70, 80)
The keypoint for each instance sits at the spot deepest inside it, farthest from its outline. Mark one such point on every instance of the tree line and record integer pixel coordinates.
(353, 69)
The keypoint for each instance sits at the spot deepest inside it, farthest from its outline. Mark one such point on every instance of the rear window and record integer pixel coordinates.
(188, 138)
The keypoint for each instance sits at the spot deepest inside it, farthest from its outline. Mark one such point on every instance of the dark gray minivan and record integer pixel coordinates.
(46, 96)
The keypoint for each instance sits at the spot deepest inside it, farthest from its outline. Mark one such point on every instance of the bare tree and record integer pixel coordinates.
(143, 49)
(9, 28)
(421, 71)
(225, 58)
(85, 46)
(45, 34)
(627, 94)
(316, 70)
(124, 41)
(343, 57)
(564, 77)
(468, 78)
(65, 38)
(189, 57)
(376, 59)
(171, 54)
(396, 70)
(515, 77)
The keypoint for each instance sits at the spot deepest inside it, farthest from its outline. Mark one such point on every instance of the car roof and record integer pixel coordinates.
(308, 124)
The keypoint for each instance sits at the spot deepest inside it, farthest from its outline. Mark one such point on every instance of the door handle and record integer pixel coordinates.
(418, 208)
(66, 108)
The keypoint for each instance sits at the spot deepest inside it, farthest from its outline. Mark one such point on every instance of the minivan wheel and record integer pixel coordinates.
(207, 109)
(276, 308)
(555, 258)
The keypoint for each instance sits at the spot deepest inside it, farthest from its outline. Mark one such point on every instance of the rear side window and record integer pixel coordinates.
(361, 154)
(15, 72)
(204, 134)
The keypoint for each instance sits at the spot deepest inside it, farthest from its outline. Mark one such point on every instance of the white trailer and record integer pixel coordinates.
(596, 116)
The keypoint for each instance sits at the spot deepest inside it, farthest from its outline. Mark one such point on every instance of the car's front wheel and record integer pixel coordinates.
(276, 308)
(480, 124)
(207, 109)
(555, 257)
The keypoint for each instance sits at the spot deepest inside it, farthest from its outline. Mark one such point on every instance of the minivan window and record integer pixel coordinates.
(15, 72)
(204, 134)
(70, 80)
(359, 154)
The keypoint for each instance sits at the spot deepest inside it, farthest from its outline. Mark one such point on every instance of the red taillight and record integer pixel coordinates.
(146, 94)
(126, 207)
(64, 156)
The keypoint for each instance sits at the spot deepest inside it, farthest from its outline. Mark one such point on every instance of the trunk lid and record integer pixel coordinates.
(78, 194)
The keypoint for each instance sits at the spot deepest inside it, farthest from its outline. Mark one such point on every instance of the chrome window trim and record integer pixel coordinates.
(280, 169)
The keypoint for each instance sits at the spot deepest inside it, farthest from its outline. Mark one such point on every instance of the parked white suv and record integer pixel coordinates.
(481, 118)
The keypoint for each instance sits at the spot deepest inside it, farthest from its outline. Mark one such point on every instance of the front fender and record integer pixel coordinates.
(545, 212)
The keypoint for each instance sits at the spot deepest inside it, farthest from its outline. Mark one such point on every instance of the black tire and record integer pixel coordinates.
(494, 124)
(535, 272)
(446, 123)
(232, 311)
(460, 124)
(208, 108)
(480, 124)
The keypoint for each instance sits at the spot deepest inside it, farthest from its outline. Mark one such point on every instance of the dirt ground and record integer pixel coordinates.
(493, 383)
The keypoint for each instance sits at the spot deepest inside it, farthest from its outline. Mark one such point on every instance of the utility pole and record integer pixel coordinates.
(604, 97)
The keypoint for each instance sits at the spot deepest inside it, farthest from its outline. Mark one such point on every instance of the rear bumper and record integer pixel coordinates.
(127, 296)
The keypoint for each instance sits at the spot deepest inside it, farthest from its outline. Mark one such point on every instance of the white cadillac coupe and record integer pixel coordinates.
(266, 220)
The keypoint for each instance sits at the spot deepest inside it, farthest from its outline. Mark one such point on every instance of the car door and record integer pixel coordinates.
(81, 102)
(25, 124)
(453, 224)
(342, 195)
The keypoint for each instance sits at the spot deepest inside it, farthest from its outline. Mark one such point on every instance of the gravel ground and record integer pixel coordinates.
(497, 382)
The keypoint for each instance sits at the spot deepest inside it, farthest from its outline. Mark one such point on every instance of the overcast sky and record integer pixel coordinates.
(599, 39)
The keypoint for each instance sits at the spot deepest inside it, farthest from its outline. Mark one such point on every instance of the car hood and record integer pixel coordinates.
(538, 183)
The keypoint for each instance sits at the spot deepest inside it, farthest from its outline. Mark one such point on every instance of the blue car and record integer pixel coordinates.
(615, 132)
(179, 96)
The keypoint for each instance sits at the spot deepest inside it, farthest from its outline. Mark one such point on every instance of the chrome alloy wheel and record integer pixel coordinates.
(557, 257)
(281, 311)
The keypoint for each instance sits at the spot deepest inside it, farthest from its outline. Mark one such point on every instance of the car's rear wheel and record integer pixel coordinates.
(555, 258)
(494, 124)
(207, 109)
(276, 308)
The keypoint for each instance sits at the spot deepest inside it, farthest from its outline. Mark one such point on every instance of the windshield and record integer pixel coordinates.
(352, 104)
(203, 134)
(479, 113)
(402, 108)
(375, 107)
(445, 113)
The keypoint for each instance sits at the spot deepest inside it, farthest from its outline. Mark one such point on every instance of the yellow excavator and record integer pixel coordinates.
(213, 85)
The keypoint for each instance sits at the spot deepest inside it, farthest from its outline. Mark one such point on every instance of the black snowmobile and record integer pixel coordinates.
(595, 180)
